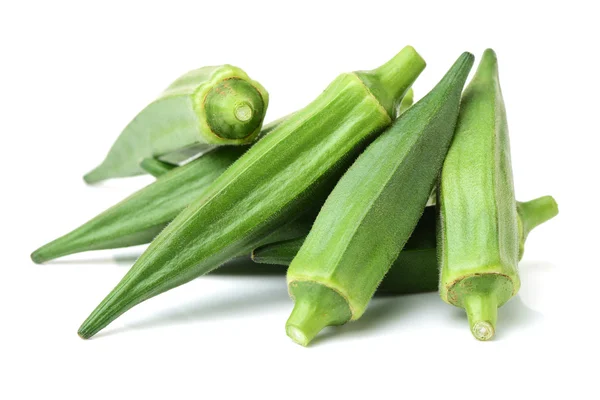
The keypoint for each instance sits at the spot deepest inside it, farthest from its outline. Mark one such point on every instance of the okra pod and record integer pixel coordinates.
(478, 225)
(415, 270)
(294, 166)
(369, 216)
(143, 215)
(206, 107)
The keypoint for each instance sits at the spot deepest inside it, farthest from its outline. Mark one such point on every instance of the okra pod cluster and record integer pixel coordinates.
(263, 189)
(359, 192)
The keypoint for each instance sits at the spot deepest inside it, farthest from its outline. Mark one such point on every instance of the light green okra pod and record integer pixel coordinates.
(288, 170)
(478, 227)
(206, 107)
(143, 215)
(372, 211)
(416, 269)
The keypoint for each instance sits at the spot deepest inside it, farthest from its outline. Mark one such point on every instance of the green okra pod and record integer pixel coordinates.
(478, 224)
(294, 166)
(206, 107)
(371, 213)
(415, 270)
(143, 215)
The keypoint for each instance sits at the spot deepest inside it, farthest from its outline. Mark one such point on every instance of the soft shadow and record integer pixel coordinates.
(514, 315)
(244, 266)
(382, 311)
(244, 301)
(124, 260)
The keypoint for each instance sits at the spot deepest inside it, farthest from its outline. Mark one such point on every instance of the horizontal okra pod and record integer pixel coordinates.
(206, 107)
(143, 215)
(478, 224)
(263, 189)
(415, 270)
(371, 213)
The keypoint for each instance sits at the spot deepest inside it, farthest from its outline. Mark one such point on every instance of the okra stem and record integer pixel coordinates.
(536, 212)
(316, 307)
(388, 82)
(482, 311)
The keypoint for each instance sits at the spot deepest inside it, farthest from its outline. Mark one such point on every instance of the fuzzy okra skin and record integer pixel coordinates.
(415, 270)
(294, 166)
(209, 106)
(478, 225)
(371, 213)
(143, 215)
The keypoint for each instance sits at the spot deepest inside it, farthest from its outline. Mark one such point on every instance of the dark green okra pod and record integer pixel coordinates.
(415, 270)
(143, 215)
(209, 106)
(478, 224)
(372, 211)
(264, 189)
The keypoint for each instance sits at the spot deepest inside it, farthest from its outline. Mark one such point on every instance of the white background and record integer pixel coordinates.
(74, 73)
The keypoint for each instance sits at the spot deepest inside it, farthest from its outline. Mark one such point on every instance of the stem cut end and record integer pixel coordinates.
(483, 330)
(243, 112)
(297, 335)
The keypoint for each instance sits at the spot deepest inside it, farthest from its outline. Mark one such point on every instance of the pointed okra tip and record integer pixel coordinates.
(49, 251)
(316, 307)
(488, 67)
(454, 80)
(464, 63)
(87, 330)
(98, 174)
(38, 256)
